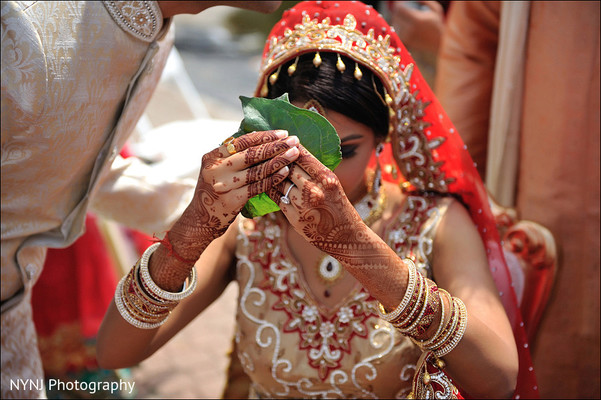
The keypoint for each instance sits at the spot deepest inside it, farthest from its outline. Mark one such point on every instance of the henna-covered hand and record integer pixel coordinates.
(320, 212)
(254, 163)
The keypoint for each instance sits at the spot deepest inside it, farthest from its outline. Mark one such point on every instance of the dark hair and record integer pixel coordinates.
(335, 90)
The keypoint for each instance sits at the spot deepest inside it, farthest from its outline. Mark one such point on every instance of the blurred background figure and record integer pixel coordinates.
(520, 80)
(69, 301)
(420, 25)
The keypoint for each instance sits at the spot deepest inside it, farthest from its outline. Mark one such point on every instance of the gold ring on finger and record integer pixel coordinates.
(231, 148)
(228, 141)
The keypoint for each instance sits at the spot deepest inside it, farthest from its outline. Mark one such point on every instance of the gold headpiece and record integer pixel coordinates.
(376, 53)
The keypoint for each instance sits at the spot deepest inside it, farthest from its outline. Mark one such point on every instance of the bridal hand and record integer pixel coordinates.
(253, 164)
(320, 211)
(229, 176)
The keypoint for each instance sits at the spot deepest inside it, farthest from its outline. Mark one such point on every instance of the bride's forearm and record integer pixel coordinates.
(375, 265)
(171, 263)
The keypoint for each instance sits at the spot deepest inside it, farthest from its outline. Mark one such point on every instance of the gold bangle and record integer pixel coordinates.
(138, 305)
(432, 308)
(423, 344)
(449, 328)
(128, 315)
(428, 311)
(454, 339)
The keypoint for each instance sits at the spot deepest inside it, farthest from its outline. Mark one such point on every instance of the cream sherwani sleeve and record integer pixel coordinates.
(76, 77)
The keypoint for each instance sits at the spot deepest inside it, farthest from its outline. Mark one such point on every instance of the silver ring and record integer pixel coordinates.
(284, 199)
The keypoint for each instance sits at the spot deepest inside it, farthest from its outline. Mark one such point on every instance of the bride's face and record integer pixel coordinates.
(357, 142)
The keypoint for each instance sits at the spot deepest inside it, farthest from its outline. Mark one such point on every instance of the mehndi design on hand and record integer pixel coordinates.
(225, 184)
(323, 215)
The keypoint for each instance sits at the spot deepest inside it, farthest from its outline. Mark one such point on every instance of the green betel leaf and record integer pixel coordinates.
(314, 132)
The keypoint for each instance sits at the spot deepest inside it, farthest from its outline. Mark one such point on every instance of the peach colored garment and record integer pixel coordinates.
(292, 346)
(76, 76)
(558, 171)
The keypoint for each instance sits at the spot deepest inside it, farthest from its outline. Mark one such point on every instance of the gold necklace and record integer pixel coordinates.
(328, 268)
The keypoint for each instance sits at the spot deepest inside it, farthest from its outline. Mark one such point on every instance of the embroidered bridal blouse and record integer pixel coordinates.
(292, 346)
(76, 76)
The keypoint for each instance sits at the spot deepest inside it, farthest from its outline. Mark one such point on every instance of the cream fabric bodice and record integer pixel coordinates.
(76, 76)
(291, 346)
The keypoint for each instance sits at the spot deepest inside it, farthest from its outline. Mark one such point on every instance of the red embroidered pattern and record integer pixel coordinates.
(325, 339)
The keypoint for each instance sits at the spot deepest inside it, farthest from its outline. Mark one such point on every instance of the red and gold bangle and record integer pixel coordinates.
(428, 312)
(453, 340)
(147, 301)
(445, 308)
(124, 300)
(137, 300)
(447, 330)
(452, 328)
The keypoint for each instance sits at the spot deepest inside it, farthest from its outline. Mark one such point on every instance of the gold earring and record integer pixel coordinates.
(274, 77)
(315, 106)
(317, 60)
(377, 182)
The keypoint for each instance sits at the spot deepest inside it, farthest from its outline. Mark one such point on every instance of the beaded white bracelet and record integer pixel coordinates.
(154, 288)
(391, 316)
(420, 288)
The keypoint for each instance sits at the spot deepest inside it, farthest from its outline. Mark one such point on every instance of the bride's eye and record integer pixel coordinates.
(349, 150)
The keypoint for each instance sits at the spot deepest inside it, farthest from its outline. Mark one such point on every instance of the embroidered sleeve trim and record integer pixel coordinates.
(142, 19)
